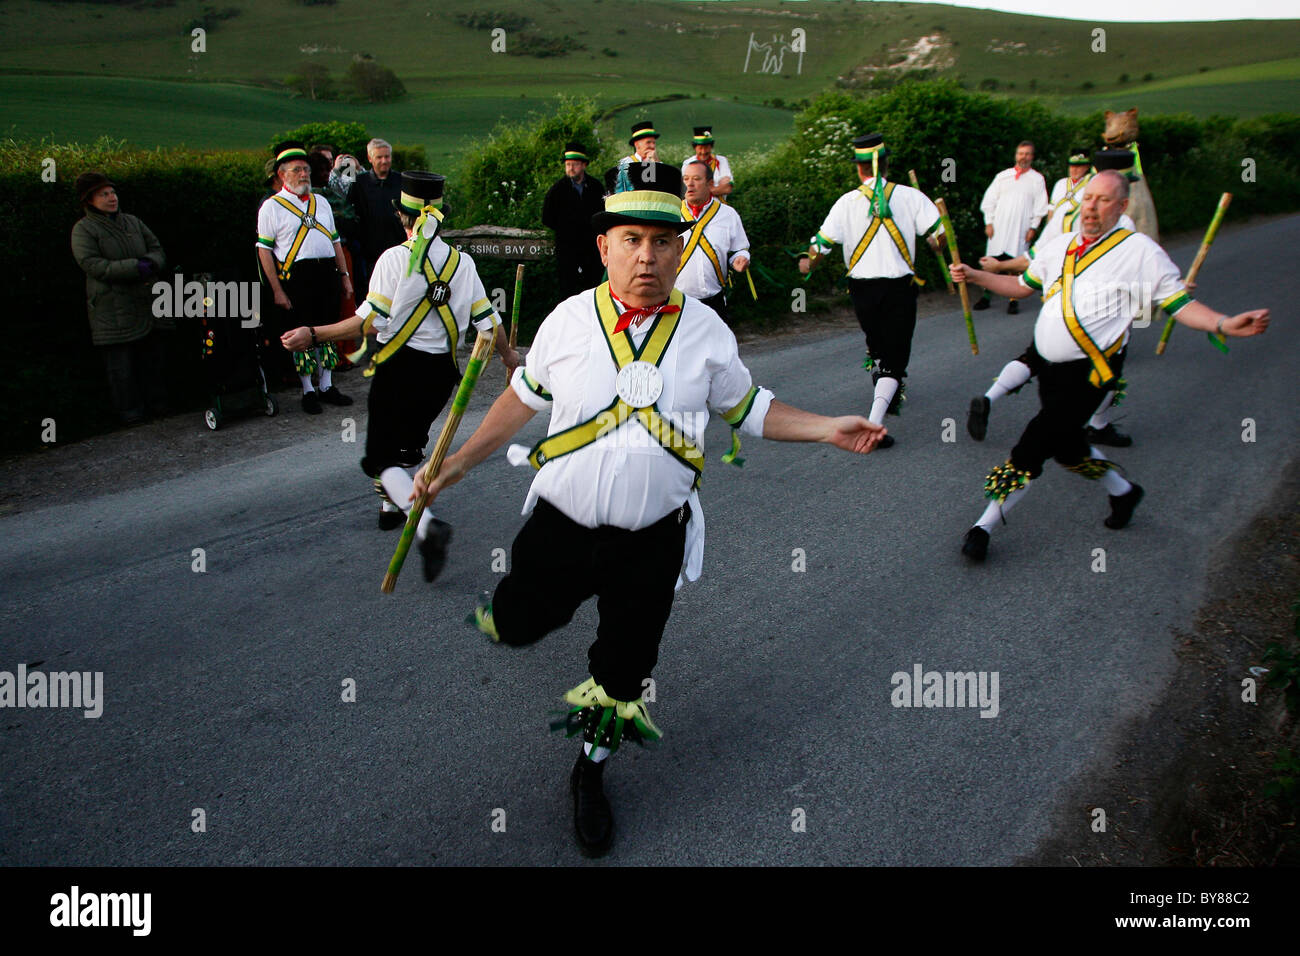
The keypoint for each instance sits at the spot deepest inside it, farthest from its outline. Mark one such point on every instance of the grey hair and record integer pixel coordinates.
(708, 171)
(375, 144)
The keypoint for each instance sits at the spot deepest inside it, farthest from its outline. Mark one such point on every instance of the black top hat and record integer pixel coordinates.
(286, 151)
(642, 194)
(574, 150)
(90, 183)
(1117, 159)
(703, 136)
(864, 147)
(641, 131)
(420, 189)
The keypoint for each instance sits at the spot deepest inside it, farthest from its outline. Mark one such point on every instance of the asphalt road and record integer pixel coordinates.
(222, 688)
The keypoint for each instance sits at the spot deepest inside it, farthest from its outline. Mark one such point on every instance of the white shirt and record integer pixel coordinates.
(393, 296)
(722, 172)
(276, 228)
(726, 235)
(625, 478)
(1013, 206)
(848, 221)
(1108, 295)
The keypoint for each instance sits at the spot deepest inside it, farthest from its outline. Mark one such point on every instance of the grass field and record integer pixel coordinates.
(75, 70)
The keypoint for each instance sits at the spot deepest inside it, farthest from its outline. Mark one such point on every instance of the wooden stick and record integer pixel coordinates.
(514, 312)
(1201, 253)
(961, 286)
(943, 266)
(482, 348)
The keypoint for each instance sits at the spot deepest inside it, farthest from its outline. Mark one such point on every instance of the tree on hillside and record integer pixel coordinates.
(312, 80)
(372, 82)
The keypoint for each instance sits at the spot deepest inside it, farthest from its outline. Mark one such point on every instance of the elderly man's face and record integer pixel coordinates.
(1024, 157)
(704, 151)
(574, 168)
(697, 182)
(296, 177)
(1077, 171)
(647, 148)
(1102, 205)
(104, 199)
(642, 262)
(381, 161)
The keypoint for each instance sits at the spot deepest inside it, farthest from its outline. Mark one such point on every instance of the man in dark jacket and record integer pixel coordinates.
(567, 209)
(374, 196)
(122, 258)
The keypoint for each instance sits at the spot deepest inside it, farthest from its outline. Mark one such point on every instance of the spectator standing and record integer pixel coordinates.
(375, 196)
(567, 209)
(122, 258)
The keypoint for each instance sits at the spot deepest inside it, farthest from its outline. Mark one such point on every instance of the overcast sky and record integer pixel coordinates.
(1142, 10)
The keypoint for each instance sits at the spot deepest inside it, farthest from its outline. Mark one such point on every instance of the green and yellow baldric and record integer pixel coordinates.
(437, 297)
(621, 349)
(1101, 375)
(306, 223)
(890, 227)
(698, 241)
(1071, 197)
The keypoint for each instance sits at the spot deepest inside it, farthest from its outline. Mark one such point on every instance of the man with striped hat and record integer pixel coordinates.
(719, 168)
(877, 224)
(1089, 281)
(302, 262)
(567, 210)
(628, 373)
(644, 143)
(419, 319)
(715, 243)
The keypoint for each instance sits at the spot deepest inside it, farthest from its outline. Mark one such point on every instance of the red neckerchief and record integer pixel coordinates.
(294, 195)
(696, 210)
(631, 314)
(1081, 244)
(1017, 170)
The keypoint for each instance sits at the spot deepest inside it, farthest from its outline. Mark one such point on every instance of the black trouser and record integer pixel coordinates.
(137, 376)
(578, 271)
(718, 303)
(407, 393)
(1031, 358)
(1068, 401)
(313, 289)
(556, 564)
(886, 310)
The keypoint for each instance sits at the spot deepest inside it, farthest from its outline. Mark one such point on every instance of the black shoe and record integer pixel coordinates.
(311, 403)
(982, 303)
(977, 419)
(593, 820)
(388, 520)
(434, 548)
(1123, 506)
(1013, 307)
(886, 442)
(976, 545)
(1110, 435)
(334, 397)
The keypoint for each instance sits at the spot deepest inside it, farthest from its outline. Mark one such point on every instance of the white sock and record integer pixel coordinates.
(993, 514)
(326, 379)
(306, 383)
(398, 485)
(1014, 374)
(1102, 417)
(1112, 481)
(388, 507)
(886, 388)
(596, 754)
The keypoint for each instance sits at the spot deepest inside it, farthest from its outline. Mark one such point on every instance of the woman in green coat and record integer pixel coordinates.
(122, 259)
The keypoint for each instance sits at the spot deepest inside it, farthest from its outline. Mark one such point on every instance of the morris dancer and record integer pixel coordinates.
(628, 373)
(716, 241)
(418, 321)
(882, 279)
(1081, 334)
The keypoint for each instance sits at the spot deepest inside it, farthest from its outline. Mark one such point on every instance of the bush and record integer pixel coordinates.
(374, 83)
(312, 81)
